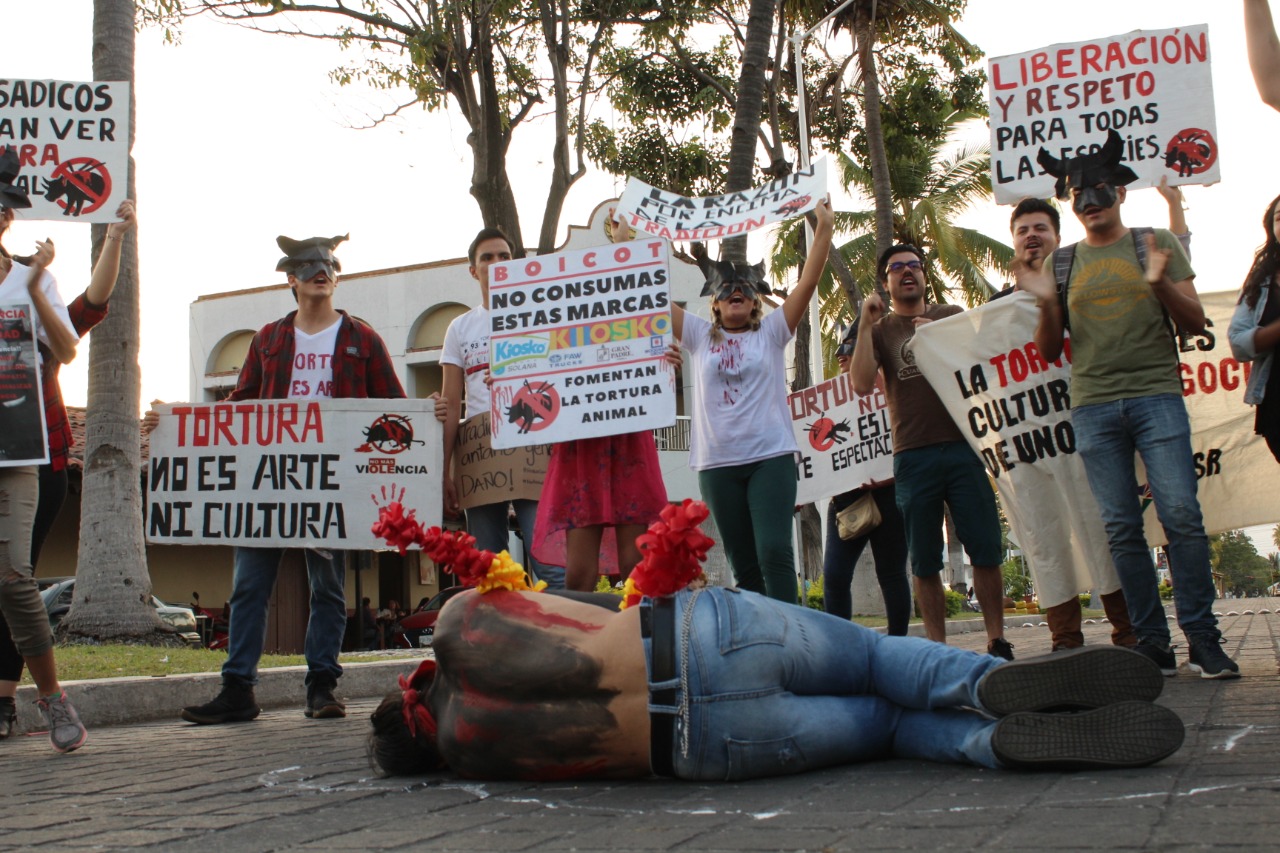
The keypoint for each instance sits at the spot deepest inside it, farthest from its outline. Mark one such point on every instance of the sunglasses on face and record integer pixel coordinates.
(899, 266)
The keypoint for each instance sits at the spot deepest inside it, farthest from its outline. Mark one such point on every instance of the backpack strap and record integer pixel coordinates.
(1063, 258)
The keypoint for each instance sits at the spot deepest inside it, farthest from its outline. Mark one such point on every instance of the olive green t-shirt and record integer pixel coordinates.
(1121, 346)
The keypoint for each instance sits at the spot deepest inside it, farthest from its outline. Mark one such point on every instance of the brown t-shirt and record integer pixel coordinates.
(917, 416)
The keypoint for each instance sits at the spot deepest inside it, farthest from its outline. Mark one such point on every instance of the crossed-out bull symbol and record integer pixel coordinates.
(824, 432)
(521, 411)
(76, 196)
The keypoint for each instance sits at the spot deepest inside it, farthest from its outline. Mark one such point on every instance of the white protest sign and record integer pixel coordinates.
(72, 141)
(290, 473)
(578, 342)
(1014, 409)
(671, 216)
(844, 438)
(23, 431)
(1153, 87)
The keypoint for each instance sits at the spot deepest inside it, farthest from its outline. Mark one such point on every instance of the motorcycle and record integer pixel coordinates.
(215, 626)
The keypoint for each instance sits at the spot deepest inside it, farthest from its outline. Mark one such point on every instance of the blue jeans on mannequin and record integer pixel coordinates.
(775, 689)
(488, 524)
(255, 577)
(1157, 428)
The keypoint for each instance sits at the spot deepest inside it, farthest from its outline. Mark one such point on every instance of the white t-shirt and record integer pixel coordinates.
(313, 362)
(740, 410)
(14, 290)
(466, 345)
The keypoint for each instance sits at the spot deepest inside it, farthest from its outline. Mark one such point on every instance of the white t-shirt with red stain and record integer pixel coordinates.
(740, 412)
(313, 362)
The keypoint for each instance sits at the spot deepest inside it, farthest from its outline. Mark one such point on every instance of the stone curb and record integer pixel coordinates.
(114, 701)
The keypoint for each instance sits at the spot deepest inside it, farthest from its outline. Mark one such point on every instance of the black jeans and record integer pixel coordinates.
(888, 546)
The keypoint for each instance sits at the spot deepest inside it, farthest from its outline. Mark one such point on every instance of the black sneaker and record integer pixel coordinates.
(1000, 648)
(1089, 677)
(321, 704)
(1128, 734)
(235, 704)
(1162, 656)
(8, 716)
(1207, 658)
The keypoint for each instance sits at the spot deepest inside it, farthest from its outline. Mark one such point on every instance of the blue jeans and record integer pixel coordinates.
(775, 689)
(251, 586)
(1157, 427)
(488, 524)
(888, 544)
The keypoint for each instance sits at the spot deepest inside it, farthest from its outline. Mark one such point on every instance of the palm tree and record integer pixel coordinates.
(928, 196)
(113, 588)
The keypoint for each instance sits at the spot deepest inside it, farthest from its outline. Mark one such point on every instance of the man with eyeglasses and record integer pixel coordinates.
(933, 466)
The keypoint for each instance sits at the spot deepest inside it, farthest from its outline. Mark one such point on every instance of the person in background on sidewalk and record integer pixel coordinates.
(85, 311)
(315, 351)
(1035, 225)
(1119, 295)
(888, 542)
(27, 622)
(933, 467)
(464, 359)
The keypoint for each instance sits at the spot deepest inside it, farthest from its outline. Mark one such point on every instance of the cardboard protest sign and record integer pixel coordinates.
(24, 438)
(1014, 409)
(671, 216)
(578, 342)
(307, 472)
(843, 437)
(1153, 87)
(1236, 471)
(73, 142)
(485, 475)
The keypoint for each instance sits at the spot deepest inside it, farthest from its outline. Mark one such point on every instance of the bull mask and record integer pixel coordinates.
(1087, 171)
(304, 258)
(724, 277)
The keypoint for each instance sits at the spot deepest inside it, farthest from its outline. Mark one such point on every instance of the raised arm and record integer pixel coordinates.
(61, 337)
(1178, 297)
(1264, 50)
(1038, 280)
(815, 262)
(865, 364)
(107, 269)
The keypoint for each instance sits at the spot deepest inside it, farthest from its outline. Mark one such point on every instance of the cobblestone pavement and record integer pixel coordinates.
(287, 783)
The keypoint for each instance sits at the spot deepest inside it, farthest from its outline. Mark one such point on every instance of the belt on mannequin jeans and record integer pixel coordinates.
(658, 624)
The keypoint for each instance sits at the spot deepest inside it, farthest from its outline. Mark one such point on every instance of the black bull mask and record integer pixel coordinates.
(1095, 175)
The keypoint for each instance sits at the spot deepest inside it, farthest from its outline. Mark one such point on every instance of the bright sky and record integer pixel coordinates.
(241, 136)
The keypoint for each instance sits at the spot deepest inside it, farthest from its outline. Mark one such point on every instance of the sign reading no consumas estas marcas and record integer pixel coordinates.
(577, 344)
(1153, 87)
(72, 140)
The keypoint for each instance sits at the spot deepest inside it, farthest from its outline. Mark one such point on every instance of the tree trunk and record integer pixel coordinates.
(113, 589)
(876, 155)
(747, 109)
(563, 175)
(489, 139)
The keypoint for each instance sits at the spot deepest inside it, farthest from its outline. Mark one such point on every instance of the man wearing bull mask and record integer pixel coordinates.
(1119, 292)
(315, 351)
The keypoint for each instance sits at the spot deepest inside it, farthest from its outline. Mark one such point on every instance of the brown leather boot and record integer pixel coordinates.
(1117, 610)
(1064, 624)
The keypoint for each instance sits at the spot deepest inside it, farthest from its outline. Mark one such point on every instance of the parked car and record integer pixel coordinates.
(57, 593)
(418, 628)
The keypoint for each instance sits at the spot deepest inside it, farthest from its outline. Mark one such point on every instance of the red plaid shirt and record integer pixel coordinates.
(361, 364)
(84, 316)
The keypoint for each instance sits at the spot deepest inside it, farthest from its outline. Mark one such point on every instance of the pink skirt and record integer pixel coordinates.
(598, 481)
